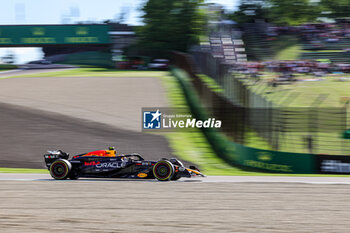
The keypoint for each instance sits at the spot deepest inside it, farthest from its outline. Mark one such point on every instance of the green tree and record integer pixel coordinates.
(336, 8)
(282, 12)
(248, 11)
(170, 25)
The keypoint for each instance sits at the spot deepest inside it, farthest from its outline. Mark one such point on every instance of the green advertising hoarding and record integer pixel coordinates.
(274, 161)
(25, 35)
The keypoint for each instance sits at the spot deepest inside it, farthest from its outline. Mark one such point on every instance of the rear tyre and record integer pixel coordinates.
(163, 170)
(73, 175)
(60, 169)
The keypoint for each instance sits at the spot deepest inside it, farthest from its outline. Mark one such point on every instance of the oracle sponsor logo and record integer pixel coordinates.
(109, 165)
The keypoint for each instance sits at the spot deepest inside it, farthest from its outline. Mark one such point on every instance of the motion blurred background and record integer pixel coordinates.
(75, 75)
(275, 72)
(72, 12)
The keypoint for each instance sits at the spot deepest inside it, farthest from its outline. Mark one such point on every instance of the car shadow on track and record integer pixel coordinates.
(116, 180)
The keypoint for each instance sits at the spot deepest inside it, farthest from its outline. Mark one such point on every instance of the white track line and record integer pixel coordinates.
(11, 71)
(210, 179)
(278, 179)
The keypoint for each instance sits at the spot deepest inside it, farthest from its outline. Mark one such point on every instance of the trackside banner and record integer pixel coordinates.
(22, 35)
(333, 164)
(274, 161)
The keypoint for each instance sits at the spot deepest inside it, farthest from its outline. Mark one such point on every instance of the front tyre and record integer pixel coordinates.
(60, 169)
(176, 177)
(163, 170)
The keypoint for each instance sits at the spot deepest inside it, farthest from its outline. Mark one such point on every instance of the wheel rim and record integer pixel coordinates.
(162, 171)
(59, 169)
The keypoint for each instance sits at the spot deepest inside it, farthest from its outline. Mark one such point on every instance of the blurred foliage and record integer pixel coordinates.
(178, 24)
(282, 12)
(248, 11)
(4, 67)
(170, 25)
(335, 8)
(294, 12)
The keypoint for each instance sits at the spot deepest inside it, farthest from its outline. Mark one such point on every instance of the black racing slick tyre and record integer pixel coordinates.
(73, 175)
(163, 170)
(60, 169)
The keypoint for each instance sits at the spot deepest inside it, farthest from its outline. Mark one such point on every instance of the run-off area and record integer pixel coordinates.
(131, 206)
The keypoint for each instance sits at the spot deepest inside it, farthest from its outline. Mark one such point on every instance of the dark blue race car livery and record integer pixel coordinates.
(107, 164)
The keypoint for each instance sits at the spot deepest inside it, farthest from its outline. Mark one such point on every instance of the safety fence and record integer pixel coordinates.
(290, 129)
(232, 141)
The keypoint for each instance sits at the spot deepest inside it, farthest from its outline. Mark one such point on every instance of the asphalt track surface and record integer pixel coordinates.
(208, 179)
(27, 134)
(191, 205)
(113, 101)
(76, 115)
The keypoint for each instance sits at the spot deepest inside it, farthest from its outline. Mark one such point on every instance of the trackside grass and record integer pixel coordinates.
(22, 170)
(331, 89)
(6, 67)
(93, 72)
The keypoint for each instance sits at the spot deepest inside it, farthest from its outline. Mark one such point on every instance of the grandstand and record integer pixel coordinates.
(225, 43)
(224, 46)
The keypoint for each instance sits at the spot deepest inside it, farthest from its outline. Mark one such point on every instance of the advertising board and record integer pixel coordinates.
(24, 35)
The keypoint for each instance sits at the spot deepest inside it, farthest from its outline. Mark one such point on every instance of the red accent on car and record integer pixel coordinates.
(97, 153)
(91, 163)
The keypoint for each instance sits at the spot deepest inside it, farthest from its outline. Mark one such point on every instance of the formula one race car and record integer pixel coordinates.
(107, 164)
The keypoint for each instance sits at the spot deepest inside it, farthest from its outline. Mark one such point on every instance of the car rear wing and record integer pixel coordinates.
(51, 156)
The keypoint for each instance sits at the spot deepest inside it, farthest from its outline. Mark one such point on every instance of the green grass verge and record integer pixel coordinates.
(308, 91)
(23, 170)
(290, 53)
(305, 94)
(93, 72)
(5, 67)
(323, 51)
(286, 48)
(211, 83)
